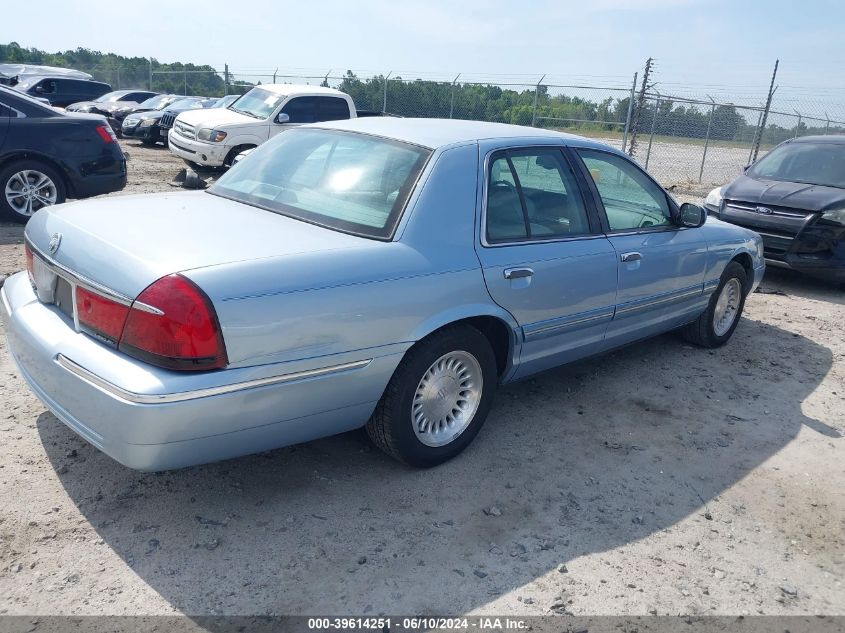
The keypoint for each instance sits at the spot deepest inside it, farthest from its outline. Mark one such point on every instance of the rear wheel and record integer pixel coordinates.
(437, 399)
(717, 323)
(27, 186)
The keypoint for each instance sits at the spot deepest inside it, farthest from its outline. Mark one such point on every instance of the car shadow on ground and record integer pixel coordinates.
(582, 459)
(10, 233)
(790, 282)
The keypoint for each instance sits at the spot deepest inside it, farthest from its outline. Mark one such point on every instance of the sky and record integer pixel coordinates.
(722, 48)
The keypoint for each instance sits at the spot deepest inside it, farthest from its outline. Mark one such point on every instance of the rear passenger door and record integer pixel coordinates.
(544, 257)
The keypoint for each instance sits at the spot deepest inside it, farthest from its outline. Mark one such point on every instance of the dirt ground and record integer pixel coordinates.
(661, 478)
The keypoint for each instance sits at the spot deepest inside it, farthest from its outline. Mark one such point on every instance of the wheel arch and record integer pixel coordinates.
(497, 325)
(744, 259)
(7, 159)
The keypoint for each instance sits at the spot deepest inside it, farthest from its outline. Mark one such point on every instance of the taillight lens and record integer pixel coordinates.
(106, 133)
(99, 315)
(172, 324)
(29, 264)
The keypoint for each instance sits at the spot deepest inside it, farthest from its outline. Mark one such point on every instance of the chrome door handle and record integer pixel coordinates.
(518, 273)
(631, 257)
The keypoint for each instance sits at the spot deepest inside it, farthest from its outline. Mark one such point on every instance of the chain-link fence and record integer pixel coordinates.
(688, 141)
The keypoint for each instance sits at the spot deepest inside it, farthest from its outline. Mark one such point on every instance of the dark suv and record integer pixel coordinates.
(47, 156)
(794, 197)
(62, 91)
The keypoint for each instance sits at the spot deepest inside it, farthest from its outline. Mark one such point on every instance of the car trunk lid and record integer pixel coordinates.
(125, 243)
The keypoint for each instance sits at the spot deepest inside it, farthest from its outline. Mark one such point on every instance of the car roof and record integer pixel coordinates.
(828, 138)
(289, 89)
(435, 133)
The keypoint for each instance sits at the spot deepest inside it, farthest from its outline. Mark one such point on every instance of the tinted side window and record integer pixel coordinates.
(48, 87)
(7, 112)
(534, 194)
(301, 110)
(332, 109)
(631, 199)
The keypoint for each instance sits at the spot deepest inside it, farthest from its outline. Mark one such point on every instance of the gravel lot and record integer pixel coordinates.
(661, 478)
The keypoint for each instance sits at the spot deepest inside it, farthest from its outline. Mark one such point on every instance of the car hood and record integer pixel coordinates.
(114, 106)
(217, 117)
(795, 195)
(127, 242)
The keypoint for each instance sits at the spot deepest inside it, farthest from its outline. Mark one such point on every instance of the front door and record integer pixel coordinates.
(544, 257)
(661, 265)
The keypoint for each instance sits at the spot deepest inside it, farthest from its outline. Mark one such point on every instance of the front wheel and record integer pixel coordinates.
(437, 399)
(27, 186)
(717, 323)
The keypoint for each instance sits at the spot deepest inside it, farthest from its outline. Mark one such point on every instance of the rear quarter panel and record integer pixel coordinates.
(725, 242)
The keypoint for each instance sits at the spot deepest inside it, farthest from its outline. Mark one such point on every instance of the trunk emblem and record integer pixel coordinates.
(55, 242)
(764, 210)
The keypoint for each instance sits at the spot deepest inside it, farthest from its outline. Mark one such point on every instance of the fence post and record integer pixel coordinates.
(384, 104)
(118, 79)
(226, 79)
(186, 81)
(827, 125)
(756, 149)
(653, 123)
(275, 72)
(536, 93)
(707, 138)
(628, 116)
(151, 74)
(798, 126)
(452, 104)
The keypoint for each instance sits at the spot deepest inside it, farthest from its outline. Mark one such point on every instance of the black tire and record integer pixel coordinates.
(230, 157)
(391, 426)
(702, 331)
(15, 167)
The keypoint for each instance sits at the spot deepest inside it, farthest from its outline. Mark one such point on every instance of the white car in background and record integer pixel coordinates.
(213, 138)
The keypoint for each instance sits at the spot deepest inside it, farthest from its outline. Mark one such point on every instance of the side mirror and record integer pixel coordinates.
(283, 117)
(691, 215)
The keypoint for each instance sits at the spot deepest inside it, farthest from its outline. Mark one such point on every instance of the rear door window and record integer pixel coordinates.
(332, 109)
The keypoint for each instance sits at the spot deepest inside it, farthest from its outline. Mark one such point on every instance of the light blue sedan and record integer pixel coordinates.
(378, 272)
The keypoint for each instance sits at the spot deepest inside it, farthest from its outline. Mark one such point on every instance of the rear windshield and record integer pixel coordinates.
(345, 181)
(811, 163)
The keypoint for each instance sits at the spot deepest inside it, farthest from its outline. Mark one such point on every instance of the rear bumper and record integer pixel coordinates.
(208, 154)
(152, 419)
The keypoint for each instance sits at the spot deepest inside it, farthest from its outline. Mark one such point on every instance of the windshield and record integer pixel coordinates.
(185, 104)
(341, 180)
(157, 102)
(257, 103)
(224, 102)
(811, 163)
(110, 96)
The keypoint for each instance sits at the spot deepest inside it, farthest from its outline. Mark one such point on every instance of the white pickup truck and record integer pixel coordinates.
(214, 137)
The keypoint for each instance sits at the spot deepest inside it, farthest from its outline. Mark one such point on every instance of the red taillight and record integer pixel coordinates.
(172, 324)
(106, 133)
(100, 315)
(29, 264)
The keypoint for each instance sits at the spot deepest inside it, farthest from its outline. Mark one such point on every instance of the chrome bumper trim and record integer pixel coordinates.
(166, 398)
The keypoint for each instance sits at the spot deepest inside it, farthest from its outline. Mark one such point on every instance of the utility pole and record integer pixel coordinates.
(640, 103)
(384, 105)
(628, 116)
(536, 92)
(756, 149)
